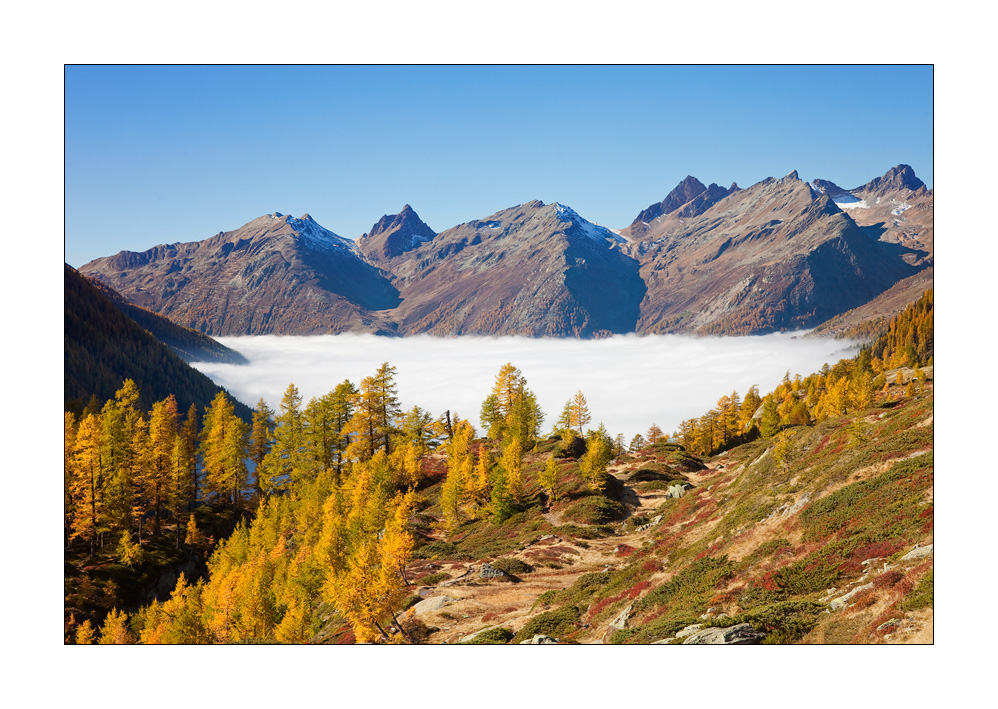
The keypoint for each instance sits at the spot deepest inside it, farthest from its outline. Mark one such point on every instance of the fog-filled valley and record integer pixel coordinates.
(630, 382)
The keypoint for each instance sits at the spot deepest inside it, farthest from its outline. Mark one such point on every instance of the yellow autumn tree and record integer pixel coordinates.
(548, 478)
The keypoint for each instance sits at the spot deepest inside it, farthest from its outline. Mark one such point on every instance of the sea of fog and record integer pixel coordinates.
(630, 382)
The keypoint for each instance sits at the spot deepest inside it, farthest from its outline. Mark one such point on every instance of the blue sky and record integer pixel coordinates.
(178, 153)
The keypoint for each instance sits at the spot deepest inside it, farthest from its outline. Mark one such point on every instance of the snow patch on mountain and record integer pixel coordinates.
(848, 201)
(592, 231)
(897, 208)
(309, 231)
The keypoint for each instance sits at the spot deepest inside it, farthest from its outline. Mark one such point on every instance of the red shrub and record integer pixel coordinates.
(650, 566)
(348, 638)
(637, 588)
(927, 515)
(888, 580)
(624, 550)
(768, 582)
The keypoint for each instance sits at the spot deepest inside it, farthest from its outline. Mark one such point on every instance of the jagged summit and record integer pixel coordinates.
(690, 198)
(682, 193)
(394, 235)
(901, 177)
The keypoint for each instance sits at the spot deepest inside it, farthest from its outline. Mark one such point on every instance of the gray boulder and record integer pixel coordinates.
(432, 604)
(488, 571)
(540, 640)
(620, 622)
(678, 490)
(918, 553)
(689, 630)
(741, 634)
(842, 601)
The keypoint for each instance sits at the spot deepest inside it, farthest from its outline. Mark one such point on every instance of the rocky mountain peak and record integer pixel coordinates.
(901, 177)
(682, 193)
(792, 176)
(395, 234)
(827, 187)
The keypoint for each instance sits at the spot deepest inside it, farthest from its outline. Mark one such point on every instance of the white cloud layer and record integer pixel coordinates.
(630, 382)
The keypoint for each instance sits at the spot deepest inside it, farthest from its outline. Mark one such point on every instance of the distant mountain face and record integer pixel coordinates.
(103, 347)
(781, 254)
(895, 209)
(778, 255)
(534, 269)
(276, 274)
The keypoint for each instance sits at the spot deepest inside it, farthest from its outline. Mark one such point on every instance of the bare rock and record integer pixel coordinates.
(432, 604)
(843, 601)
(541, 640)
(741, 634)
(689, 630)
(918, 552)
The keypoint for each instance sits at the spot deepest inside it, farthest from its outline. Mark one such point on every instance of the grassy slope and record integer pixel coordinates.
(753, 542)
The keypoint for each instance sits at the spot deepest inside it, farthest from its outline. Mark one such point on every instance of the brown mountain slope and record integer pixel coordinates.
(534, 269)
(778, 255)
(276, 274)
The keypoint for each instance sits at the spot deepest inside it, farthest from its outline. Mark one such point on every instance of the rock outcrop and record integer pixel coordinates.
(741, 634)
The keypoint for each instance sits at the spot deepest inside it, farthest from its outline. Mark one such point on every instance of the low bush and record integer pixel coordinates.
(431, 579)
(921, 595)
(492, 636)
(785, 622)
(597, 531)
(574, 448)
(595, 509)
(557, 623)
(410, 601)
(435, 550)
(513, 567)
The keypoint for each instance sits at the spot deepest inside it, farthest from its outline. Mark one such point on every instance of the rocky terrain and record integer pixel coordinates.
(781, 254)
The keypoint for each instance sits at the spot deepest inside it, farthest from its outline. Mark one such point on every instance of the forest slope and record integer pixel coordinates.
(103, 347)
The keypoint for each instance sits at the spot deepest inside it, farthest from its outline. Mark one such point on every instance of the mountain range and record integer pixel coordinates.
(780, 254)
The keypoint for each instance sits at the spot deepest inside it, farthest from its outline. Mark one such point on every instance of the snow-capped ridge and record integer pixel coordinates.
(314, 234)
(590, 230)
